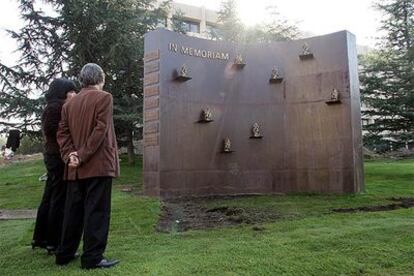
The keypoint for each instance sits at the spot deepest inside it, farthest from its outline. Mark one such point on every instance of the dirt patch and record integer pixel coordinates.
(8, 214)
(185, 214)
(179, 216)
(20, 158)
(401, 202)
(129, 189)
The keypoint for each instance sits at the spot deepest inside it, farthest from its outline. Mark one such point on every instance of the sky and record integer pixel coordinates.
(9, 19)
(315, 16)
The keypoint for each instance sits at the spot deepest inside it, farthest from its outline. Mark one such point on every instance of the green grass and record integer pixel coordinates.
(19, 185)
(309, 240)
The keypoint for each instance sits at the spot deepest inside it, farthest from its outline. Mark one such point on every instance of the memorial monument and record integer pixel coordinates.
(227, 119)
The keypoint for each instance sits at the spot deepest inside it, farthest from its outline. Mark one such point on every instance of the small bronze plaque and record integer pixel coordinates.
(152, 78)
(151, 115)
(151, 67)
(151, 91)
(151, 140)
(151, 127)
(151, 102)
(152, 56)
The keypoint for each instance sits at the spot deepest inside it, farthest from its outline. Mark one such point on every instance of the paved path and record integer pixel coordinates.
(6, 214)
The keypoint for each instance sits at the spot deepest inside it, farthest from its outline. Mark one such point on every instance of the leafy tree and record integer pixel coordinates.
(229, 26)
(43, 49)
(107, 32)
(111, 33)
(178, 22)
(273, 27)
(387, 75)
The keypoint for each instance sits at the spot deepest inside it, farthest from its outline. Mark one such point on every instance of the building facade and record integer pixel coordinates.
(198, 21)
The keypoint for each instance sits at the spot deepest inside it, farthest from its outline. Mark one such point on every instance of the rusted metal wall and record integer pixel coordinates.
(307, 145)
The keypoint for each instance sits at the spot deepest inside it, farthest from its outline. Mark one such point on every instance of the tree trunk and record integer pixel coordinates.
(130, 147)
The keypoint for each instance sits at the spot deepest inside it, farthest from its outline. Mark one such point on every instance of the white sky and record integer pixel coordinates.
(9, 19)
(315, 16)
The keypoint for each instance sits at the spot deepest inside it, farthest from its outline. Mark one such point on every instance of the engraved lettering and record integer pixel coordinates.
(184, 50)
(197, 52)
(225, 56)
(173, 47)
(189, 51)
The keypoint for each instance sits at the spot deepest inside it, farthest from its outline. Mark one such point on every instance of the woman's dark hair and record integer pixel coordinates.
(59, 88)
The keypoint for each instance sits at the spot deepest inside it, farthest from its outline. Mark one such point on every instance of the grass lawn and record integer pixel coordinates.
(309, 239)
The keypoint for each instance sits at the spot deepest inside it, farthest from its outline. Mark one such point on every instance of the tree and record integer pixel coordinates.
(178, 24)
(387, 75)
(273, 27)
(107, 32)
(111, 33)
(43, 49)
(229, 27)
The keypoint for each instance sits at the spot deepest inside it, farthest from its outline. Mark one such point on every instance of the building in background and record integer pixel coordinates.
(198, 21)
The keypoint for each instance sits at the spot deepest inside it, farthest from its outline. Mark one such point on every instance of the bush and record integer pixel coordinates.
(30, 145)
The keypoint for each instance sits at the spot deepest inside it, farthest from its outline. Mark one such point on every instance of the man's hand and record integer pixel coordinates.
(73, 160)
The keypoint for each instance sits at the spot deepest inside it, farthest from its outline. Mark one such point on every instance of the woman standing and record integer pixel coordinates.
(49, 218)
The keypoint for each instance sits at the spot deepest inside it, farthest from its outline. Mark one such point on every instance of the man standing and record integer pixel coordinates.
(88, 146)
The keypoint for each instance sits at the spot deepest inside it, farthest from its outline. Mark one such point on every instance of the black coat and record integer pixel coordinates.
(50, 122)
(13, 140)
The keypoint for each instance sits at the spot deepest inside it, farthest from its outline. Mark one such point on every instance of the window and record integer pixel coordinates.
(191, 27)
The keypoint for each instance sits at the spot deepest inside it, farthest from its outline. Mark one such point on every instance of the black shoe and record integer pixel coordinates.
(39, 244)
(104, 263)
(65, 261)
(51, 250)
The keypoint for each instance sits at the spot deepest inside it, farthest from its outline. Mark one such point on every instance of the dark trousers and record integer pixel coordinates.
(49, 217)
(87, 211)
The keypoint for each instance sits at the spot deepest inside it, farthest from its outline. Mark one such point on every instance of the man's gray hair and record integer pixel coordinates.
(91, 74)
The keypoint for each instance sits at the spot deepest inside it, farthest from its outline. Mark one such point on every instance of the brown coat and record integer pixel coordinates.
(87, 127)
